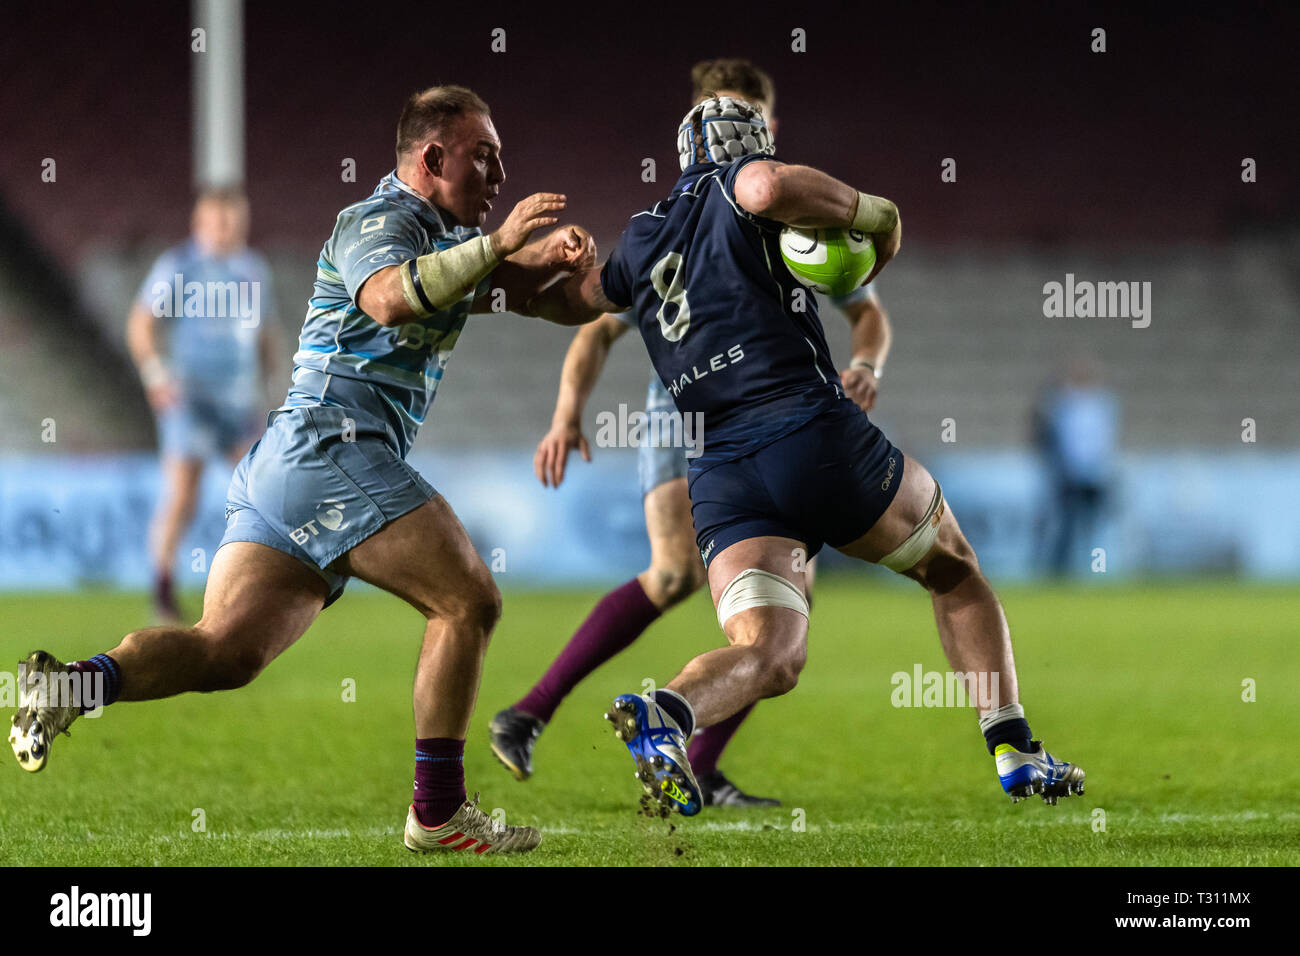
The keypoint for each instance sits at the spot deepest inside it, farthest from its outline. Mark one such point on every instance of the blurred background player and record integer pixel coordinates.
(676, 570)
(201, 334)
(1077, 432)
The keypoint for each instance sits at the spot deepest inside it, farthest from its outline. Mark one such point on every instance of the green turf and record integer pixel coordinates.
(1140, 685)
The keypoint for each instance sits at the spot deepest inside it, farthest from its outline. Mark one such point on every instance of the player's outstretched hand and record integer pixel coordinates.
(860, 385)
(570, 248)
(553, 453)
(528, 215)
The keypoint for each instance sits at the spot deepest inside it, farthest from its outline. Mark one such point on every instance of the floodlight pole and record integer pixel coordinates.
(218, 87)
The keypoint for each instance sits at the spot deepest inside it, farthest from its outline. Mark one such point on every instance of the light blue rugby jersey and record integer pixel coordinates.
(212, 309)
(344, 356)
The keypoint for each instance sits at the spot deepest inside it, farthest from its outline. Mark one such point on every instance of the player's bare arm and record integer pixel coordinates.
(582, 367)
(870, 340)
(525, 273)
(577, 300)
(142, 342)
(806, 197)
(450, 274)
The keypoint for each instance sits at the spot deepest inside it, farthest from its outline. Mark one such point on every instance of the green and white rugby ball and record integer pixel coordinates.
(831, 261)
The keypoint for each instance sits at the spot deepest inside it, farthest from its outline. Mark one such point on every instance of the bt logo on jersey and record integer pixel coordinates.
(717, 363)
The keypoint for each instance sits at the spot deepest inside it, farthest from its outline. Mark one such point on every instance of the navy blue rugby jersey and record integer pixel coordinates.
(717, 309)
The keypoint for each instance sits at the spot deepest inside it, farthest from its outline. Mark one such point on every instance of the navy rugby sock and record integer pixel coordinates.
(679, 709)
(1007, 725)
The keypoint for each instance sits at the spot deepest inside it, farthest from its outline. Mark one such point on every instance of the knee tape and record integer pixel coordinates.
(755, 588)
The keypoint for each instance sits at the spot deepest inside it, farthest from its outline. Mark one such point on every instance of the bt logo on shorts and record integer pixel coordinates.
(329, 515)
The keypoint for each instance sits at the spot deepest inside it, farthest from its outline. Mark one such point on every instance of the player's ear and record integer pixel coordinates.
(431, 157)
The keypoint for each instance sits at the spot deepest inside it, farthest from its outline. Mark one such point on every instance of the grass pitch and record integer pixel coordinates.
(1142, 686)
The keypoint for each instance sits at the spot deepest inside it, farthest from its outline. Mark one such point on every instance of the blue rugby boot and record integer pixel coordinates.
(657, 746)
(1037, 772)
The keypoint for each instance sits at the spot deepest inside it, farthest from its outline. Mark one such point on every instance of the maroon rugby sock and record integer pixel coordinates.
(614, 623)
(439, 779)
(705, 748)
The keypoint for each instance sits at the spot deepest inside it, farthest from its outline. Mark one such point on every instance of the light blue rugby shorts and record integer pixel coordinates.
(201, 426)
(660, 464)
(305, 490)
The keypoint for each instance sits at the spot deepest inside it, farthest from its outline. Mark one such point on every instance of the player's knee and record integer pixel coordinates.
(674, 583)
(479, 606)
(949, 564)
(936, 554)
(782, 667)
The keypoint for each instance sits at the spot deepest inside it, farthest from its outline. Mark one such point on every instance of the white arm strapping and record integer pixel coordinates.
(874, 215)
(439, 280)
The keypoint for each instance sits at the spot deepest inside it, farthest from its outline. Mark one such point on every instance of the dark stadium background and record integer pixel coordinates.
(1123, 166)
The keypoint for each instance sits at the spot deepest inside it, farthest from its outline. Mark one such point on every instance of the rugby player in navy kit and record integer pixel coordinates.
(789, 463)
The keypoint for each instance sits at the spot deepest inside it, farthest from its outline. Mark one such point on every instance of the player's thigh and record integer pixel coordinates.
(260, 599)
(909, 507)
(899, 520)
(780, 631)
(426, 558)
(671, 532)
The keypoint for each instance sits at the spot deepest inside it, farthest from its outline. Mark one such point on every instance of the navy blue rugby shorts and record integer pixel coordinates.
(827, 482)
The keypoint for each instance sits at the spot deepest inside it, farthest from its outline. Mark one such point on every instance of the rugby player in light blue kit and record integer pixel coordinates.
(789, 462)
(326, 494)
(200, 333)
